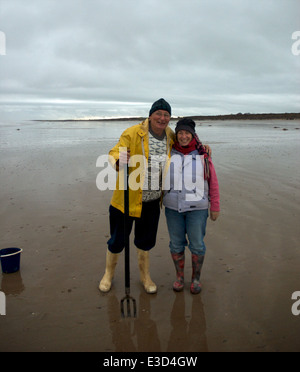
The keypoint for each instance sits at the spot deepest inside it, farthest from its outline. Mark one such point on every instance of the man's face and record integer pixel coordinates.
(159, 121)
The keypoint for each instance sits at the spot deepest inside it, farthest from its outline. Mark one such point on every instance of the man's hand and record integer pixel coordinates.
(124, 158)
(207, 149)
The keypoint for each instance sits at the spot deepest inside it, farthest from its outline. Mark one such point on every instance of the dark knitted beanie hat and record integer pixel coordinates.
(185, 124)
(161, 104)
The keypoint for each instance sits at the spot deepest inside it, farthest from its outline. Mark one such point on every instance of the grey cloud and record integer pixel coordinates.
(201, 55)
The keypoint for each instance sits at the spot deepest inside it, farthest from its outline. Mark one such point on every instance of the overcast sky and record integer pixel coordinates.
(92, 58)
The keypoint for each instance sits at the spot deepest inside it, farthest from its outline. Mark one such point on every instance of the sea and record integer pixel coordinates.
(27, 134)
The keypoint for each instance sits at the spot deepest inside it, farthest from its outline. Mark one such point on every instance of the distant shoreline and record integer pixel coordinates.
(239, 116)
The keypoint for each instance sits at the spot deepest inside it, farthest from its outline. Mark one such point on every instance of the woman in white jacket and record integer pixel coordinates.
(191, 188)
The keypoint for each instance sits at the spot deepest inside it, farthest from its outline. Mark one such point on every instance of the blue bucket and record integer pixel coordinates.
(10, 259)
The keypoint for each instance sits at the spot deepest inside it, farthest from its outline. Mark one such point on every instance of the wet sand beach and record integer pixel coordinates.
(51, 208)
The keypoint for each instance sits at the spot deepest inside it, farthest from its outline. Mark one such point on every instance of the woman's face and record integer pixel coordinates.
(184, 137)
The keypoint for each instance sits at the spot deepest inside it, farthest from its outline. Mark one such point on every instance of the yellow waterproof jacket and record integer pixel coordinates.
(136, 139)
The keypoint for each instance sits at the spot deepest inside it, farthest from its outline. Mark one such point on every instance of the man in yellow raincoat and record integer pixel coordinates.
(144, 147)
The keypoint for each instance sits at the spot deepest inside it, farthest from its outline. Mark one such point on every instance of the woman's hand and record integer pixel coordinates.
(214, 215)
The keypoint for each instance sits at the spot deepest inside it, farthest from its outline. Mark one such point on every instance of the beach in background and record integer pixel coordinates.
(51, 207)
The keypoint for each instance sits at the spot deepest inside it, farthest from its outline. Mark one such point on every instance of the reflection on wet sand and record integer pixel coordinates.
(188, 331)
(133, 334)
(140, 334)
(12, 284)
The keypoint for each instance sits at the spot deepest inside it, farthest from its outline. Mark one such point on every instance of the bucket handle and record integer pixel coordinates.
(12, 254)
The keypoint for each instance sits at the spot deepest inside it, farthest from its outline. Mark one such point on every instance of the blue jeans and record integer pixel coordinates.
(192, 224)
